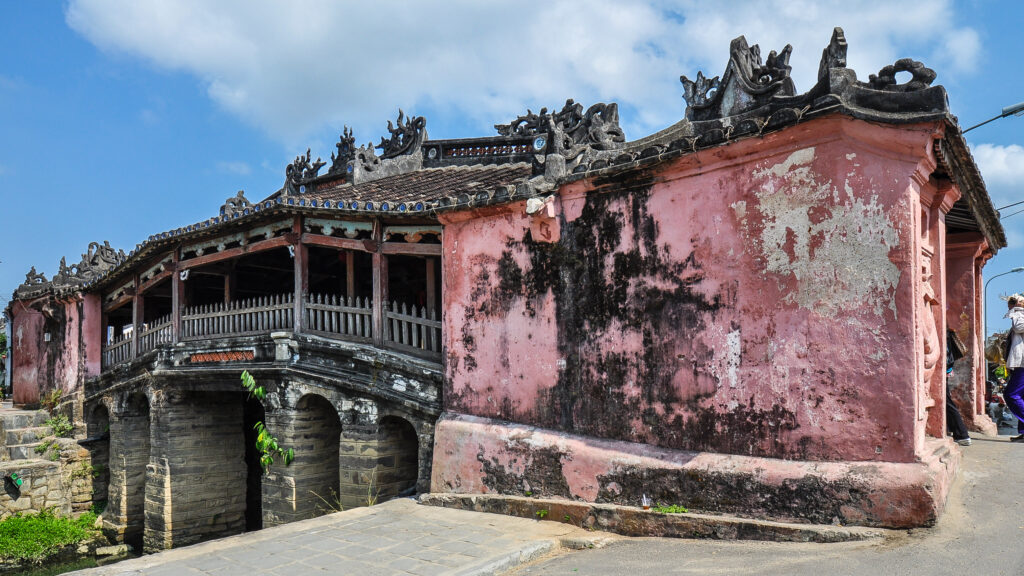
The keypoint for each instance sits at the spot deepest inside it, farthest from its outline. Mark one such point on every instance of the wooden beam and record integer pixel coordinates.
(111, 306)
(340, 243)
(261, 246)
(155, 280)
(411, 249)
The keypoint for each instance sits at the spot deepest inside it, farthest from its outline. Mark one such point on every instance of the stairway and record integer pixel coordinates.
(20, 432)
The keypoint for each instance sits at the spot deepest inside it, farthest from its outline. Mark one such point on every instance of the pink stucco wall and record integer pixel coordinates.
(60, 363)
(761, 298)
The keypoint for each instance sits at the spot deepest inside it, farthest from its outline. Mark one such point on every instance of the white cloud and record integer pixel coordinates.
(1002, 167)
(240, 168)
(296, 68)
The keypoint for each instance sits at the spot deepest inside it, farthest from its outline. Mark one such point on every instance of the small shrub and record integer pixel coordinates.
(670, 509)
(61, 426)
(51, 401)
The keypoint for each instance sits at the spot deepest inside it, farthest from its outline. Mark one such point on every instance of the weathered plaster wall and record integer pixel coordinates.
(967, 382)
(60, 363)
(491, 456)
(752, 299)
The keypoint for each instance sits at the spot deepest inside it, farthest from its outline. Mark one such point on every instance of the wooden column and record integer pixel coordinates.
(350, 275)
(177, 299)
(229, 285)
(380, 286)
(301, 262)
(431, 290)
(137, 315)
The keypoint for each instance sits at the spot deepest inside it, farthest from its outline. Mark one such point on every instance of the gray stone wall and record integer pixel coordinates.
(42, 487)
(196, 478)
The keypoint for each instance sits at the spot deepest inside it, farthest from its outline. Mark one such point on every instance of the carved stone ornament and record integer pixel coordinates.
(300, 170)
(97, 261)
(367, 158)
(598, 127)
(34, 282)
(346, 152)
(235, 204)
(747, 83)
(406, 137)
(921, 76)
(834, 55)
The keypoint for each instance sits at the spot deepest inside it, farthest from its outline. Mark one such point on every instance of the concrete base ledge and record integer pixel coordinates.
(632, 521)
(491, 457)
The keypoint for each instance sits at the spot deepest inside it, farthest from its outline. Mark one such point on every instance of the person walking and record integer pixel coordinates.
(1015, 363)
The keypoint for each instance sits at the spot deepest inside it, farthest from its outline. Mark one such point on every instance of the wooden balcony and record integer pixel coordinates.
(407, 329)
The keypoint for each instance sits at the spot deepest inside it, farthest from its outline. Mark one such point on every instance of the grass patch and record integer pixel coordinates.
(33, 538)
(670, 509)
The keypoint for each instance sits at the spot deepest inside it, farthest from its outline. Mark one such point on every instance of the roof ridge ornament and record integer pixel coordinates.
(598, 127)
(746, 84)
(921, 76)
(236, 204)
(346, 152)
(300, 170)
(833, 55)
(34, 282)
(406, 138)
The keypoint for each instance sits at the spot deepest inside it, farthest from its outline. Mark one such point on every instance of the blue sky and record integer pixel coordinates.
(120, 119)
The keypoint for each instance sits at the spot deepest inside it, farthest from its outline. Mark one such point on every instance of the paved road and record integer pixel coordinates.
(982, 532)
(395, 538)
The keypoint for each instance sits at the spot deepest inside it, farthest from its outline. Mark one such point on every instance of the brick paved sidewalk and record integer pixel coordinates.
(397, 537)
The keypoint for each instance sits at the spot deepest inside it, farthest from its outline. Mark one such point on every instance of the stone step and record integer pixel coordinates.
(23, 419)
(24, 452)
(26, 435)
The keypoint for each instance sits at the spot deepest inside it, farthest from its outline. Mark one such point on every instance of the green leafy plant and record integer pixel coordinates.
(51, 401)
(541, 514)
(48, 449)
(35, 537)
(269, 448)
(265, 443)
(60, 426)
(670, 508)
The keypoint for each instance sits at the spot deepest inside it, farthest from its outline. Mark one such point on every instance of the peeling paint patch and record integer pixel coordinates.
(733, 360)
(836, 249)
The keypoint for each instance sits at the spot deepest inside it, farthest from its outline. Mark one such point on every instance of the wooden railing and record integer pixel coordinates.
(158, 332)
(331, 315)
(238, 318)
(117, 351)
(412, 329)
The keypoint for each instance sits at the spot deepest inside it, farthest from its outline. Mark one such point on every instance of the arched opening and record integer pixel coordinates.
(97, 429)
(253, 412)
(398, 458)
(317, 434)
(134, 452)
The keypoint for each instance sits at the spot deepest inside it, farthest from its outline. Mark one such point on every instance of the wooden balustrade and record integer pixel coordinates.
(412, 329)
(117, 351)
(239, 318)
(331, 315)
(158, 332)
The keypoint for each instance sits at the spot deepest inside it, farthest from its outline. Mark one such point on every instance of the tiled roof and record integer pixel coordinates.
(427, 186)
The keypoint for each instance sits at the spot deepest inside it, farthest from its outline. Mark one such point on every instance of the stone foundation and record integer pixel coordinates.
(478, 455)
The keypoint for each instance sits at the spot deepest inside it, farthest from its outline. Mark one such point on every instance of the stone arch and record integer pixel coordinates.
(315, 437)
(398, 450)
(129, 456)
(97, 431)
